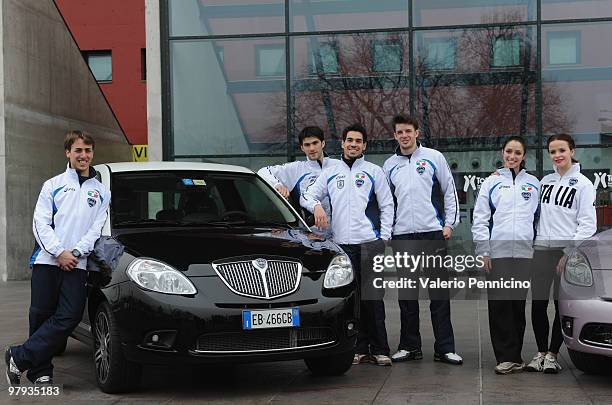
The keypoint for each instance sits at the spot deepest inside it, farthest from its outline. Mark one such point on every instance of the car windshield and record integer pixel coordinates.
(192, 198)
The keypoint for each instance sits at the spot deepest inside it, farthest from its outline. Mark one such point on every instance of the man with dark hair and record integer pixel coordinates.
(361, 222)
(71, 210)
(426, 211)
(291, 179)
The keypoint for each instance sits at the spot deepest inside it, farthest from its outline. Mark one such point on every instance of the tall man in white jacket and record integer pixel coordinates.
(291, 179)
(426, 209)
(362, 208)
(71, 210)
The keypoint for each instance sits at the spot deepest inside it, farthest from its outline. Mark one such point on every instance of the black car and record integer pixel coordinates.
(217, 267)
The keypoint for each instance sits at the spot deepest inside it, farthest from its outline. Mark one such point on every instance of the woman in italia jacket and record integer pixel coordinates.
(567, 216)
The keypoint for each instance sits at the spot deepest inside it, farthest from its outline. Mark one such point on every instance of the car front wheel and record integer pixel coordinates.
(591, 363)
(114, 373)
(336, 364)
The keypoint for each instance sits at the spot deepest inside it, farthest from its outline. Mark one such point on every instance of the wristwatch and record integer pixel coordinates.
(76, 253)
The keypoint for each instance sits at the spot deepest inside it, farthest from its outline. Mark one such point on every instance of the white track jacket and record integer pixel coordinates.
(567, 209)
(68, 216)
(297, 176)
(505, 214)
(361, 201)
(424, 191)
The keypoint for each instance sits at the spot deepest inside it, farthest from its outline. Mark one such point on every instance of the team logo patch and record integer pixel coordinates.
(91, 202)
(420, 166)
(93, 194)
(340, 184)
(526, 195)
(526, 187)
(573, 181)
(359, 179)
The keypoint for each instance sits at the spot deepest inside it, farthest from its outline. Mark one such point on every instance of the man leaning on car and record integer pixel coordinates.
(71, 210)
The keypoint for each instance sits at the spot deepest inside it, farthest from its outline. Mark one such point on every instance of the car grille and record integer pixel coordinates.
(266, 279)
(597, 334)
(264, 340)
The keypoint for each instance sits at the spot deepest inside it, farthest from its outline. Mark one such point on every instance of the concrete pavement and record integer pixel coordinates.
(418, 382)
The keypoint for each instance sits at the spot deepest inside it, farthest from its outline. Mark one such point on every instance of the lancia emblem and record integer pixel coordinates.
(260, 264)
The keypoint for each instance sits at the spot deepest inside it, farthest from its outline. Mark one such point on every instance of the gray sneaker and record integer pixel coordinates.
(382, 360)
(537, 363)
(551, 365)
(508, 367)
(362, 358)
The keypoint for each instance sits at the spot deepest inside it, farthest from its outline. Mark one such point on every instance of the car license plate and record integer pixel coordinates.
(271, 318)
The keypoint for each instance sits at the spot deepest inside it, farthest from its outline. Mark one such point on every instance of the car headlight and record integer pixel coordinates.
(157, 276)
(578, 270)
(339, 272)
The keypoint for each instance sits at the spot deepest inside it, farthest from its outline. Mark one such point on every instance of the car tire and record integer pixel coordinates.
(336, 364)
(591, 363)
(114, 373)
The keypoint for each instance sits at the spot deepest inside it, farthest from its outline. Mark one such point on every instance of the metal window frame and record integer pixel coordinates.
(410, 29)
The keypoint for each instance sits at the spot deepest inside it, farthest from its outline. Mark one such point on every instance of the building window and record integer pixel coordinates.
(143, 64)
(270, 60)
(506, 51)
(563, 48)
(101, 64)
(327, 57)
(440, 54)
(387, 56)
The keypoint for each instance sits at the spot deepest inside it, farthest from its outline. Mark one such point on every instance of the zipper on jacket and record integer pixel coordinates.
(513, 214)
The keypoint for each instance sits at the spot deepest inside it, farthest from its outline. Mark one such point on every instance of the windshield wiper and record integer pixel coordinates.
(169, 222)
(253, 223)
(148, 222)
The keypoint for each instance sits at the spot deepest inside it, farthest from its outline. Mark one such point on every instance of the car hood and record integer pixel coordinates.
(194, 249)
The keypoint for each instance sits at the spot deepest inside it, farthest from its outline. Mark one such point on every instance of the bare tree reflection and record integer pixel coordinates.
(475, 99)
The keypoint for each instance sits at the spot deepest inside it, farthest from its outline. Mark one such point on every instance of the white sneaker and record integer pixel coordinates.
(405, 355)
(508, 367)
(537, 363)
(450, 358)
(44, 380)
(382, 360)
(551, 365)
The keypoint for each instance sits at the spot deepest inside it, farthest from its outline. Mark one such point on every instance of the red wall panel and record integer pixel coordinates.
(119, 26)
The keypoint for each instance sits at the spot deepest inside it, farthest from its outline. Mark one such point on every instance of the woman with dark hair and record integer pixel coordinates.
(503, 229)
(567, 216)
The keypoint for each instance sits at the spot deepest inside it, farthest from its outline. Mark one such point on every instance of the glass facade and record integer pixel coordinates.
(244, 76)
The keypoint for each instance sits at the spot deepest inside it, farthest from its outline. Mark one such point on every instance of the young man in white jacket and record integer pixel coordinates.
(71, 210)
(291, 179)
(362, 208)
(426, 212)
